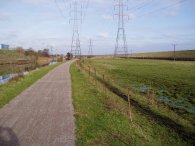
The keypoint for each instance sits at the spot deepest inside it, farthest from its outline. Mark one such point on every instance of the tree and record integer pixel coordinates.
(44, 53)
(30, 52)
(69, 56)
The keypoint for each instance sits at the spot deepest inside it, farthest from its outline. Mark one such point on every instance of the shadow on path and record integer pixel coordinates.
(8, 137)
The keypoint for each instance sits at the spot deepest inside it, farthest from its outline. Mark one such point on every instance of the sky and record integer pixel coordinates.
(153, 25)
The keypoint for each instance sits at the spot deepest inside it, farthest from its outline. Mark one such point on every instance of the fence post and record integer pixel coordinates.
(103, 81)
(95, 76)
(89, 71)
(151, 97)
(129, 102)
(77, 63)
(106, 92)
(95, 72)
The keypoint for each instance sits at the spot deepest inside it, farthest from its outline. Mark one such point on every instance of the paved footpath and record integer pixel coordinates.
(42, 115)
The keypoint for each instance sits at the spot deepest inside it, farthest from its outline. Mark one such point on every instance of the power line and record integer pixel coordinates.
(163, 8)
(60, 10)
(86, 5)
(142, 5)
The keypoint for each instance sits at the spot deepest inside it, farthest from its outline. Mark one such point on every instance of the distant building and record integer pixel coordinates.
(4, 46)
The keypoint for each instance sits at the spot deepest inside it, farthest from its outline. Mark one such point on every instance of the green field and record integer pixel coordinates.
(173, 84)
(170, 54)
(102, 118)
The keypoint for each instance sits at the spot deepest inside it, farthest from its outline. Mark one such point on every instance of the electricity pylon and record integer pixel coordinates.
(90, 52)
(77, 19)
(121, 42)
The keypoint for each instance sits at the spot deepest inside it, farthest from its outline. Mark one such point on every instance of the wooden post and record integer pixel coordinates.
(151, 97)
(129, 102)
(148, 97)
(106, 90)
(95, 76)
(89, 71)
(103, 85)
(95, 72)
(77, 63)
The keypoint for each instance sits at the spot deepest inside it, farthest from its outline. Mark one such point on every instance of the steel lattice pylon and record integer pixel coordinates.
(75, 45)
(121, 49)
(90, 52)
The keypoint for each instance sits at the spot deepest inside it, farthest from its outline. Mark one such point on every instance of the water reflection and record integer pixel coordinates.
(5, 78)
(9, 71)
(14, 68)
(52, 62)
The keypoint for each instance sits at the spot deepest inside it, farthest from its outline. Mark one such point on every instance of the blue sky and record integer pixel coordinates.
(154, 25)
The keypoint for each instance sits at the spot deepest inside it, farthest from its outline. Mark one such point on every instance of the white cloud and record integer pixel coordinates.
(36, 2)
(103, 35)
(4, 17)
(107, 17)
(102, 2)
(132, 16)
(8, 34)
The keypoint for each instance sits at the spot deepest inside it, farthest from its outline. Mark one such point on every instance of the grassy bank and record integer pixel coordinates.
(13, 88)
(13, 54)
(102, 118)
(43, 61)
(172, 83)
(8, 57)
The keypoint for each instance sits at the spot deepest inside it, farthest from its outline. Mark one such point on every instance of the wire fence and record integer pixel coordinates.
(109, 84)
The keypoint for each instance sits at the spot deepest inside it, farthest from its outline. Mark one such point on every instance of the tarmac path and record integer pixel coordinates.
(42, 115)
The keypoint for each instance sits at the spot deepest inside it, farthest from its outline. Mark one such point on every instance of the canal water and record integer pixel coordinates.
(5, 78)
(9, 71)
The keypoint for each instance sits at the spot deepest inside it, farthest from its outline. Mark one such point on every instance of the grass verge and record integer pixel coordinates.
(15, 87)
(102, 118)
